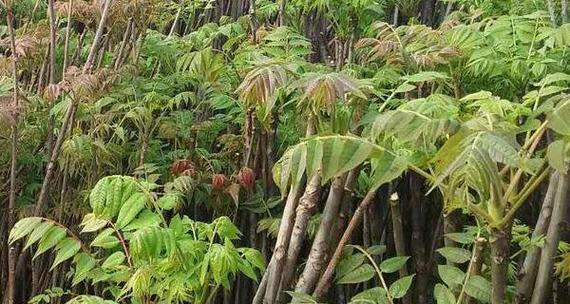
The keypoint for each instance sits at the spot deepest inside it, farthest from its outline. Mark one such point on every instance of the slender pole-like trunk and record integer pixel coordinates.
(12, 255)
(123, 44)
(476, 263)
(176, 19)
(418, 242)
(98, 37)
(44, 191)
(527, 273)
(564, 10)
(51, 70)
(318, 255)
(281, 244)
(67, 34)
(281, 15)
(399, 237)
(499, 242)
(325, 281)
(307, 205)
(551, 13)
(549, 250)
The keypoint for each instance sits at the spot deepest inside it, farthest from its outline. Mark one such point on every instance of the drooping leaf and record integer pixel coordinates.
(362, 273)
(393, 264)
(399, 288)
(113, 260)
(455, 254)
(66, 249)
(23, 227)
(130, 209)
(376, 295)
(451, 275)
(479, 288)
(443, 295)
(50, 239)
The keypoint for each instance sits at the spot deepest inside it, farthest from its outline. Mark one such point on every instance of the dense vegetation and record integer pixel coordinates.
(259, 151)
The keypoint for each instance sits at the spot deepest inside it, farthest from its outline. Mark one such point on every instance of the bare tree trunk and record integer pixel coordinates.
(307, 206)
(98, 37)
(499, 242)
(324, 283)
(67, 34)
(418, 242)
(281, 16)
(399, 237)
(281, 244)
(126, 36)
(551, 12)
(44, 192)
(12, 255)
(549, 250)
(175, 23)
(476, 263)
(51, 71)
(527, 274)
(564, 10)
(318, 256)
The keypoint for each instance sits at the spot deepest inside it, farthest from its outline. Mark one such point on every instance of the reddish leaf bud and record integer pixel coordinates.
(219, 182)
(246, 178)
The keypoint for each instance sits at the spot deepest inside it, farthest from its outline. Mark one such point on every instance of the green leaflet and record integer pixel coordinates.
(66, 249)
(38, 233)
(479, 288)
(451, 275)
(333, 155)
(399, 288)
(114, 260)
(23, 227)
(50, 239)
(393, 264)
(361, 273)
(130, 209)
(443, 295)
(455, 255)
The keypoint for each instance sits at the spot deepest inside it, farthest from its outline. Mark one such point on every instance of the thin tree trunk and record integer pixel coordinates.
(98, 37)
(318, 255)
(67, 34)
(476, 263)
(44, 191)
(499, 242)
(527, 274)
(122, 46)
(549, 250)
(307, 205)
(51, 70)
(418, 242)
(550, 7)
(281, 244)
(564, 10)
(399, 237)
(12, 255)
(175, 23)
(281, 16)
(324, 283)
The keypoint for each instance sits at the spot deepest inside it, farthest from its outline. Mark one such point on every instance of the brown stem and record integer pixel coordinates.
(67, 35)
(476, 264)
(549, 250)
(499, 242)
(318, 255)
(324, 282)
(527, 274)
(399, 237)
(307, 205)
(12, 254)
